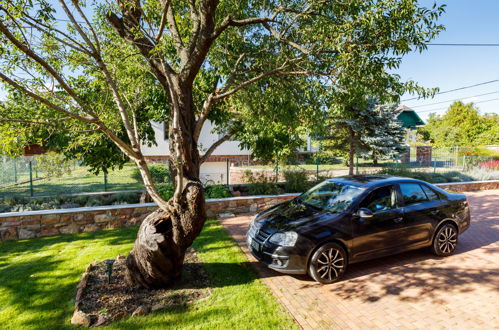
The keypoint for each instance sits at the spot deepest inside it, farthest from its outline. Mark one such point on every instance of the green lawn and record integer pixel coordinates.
(80, 180)
(38, 279)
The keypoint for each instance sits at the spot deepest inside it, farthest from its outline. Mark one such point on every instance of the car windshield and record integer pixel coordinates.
(331, 196)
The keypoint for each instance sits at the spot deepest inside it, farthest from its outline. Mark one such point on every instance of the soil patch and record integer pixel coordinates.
(103, 302)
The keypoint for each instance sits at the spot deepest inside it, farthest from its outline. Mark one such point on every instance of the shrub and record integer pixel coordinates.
(94, 201)
(296, 181)
(165, 190)
(260, 184)
(121, 198)
(217, 191)
(5, 208)
(13, 200)
(53, 164)
(160, 173)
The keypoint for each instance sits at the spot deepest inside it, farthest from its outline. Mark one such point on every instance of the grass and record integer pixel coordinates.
(38, 279)
(80, 180)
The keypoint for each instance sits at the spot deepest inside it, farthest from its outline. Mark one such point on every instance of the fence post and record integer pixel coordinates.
(464, 162)
(317, 169)
(105, 181)
(434, 163)
(357, 164)
(228, 172)
(15, 170)
(277, 170)
(30, 178)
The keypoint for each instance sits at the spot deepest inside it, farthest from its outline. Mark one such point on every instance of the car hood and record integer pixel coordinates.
(291, 215)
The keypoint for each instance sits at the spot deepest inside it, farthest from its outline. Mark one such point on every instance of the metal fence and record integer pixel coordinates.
(464, 160)
(36, 177)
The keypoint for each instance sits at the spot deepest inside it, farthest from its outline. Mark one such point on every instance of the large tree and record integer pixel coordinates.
(462, 125)
(365, 128)
(210, 60)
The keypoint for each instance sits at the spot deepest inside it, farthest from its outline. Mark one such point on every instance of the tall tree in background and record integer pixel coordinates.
(204, 57)
(364, 129)
(462, 125)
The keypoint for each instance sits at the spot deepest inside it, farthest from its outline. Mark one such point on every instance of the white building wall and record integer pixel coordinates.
(206, 139)
(210, 172)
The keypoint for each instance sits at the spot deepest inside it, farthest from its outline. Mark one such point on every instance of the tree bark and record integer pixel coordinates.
(158, 254)
(351, 151)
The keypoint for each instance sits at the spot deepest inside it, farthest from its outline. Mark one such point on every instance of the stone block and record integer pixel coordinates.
(48, 231)
(50, 219)
(90, 227)
(8, 233)
(100, 218)
(26, 234)
(70, 229)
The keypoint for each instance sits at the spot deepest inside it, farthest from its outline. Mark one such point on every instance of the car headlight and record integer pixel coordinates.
(284, 239)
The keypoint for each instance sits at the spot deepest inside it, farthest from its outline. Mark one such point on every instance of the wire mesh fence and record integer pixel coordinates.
(51, 175)
(457, 163)
(37, 176)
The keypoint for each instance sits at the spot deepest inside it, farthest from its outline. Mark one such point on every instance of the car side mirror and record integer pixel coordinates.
(364, 213)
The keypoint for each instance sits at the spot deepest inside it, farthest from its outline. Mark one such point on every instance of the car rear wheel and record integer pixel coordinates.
(445, 240)
(328, 264)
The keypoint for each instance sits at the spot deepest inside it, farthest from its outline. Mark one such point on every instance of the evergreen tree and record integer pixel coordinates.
(366, 128)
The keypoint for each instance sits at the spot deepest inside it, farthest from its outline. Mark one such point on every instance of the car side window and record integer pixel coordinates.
(380, 199)
(412, 193)
(430, 193)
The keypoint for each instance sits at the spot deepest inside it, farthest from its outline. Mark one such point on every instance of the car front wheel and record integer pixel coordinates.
(445, 240)
(328, 264)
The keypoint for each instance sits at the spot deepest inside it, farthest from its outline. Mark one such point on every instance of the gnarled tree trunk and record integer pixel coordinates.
(158, 254)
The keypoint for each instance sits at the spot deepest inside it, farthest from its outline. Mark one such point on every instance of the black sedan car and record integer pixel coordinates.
(350, 219)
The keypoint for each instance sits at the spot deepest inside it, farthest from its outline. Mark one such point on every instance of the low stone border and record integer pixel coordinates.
(25, 225)
(79, 317)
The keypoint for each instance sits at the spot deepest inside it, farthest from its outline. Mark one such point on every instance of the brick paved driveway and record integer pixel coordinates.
(409, 290)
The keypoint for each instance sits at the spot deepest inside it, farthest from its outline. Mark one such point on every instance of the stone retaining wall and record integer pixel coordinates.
(24, 225)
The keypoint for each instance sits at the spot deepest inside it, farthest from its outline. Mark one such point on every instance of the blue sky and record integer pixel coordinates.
(447, 67)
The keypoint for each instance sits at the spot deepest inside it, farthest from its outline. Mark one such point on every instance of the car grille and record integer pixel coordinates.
(258, 234)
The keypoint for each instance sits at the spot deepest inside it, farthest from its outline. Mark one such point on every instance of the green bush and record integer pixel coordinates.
(165, 190)
(53, 164)
(260, 184)
(121, 198)
(296, 181)
(160, 173)
(217, 191)
(452, 176)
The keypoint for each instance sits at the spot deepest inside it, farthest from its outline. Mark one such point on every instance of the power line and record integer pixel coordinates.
(463, 45)
(467, 97)
(440, 109)
(456, 89)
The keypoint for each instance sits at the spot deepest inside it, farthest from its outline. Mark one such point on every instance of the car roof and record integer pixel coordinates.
(372, 180)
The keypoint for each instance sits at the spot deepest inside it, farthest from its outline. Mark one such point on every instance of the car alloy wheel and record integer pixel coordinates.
(445, 241)
(328, 264)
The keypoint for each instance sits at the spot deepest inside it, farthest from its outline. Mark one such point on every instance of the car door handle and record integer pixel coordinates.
(434, 212)
(398, 220)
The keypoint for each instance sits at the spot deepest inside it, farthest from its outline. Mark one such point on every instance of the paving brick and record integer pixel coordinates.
(413, 290)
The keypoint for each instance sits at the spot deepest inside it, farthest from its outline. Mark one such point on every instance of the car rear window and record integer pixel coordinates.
(412, 193)
(429, 193)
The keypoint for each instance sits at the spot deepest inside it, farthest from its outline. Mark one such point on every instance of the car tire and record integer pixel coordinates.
(445, 240)
(328, 264)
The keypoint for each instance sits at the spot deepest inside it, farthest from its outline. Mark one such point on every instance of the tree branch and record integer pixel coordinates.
(44, 100)
(30, 53)
(215, 145)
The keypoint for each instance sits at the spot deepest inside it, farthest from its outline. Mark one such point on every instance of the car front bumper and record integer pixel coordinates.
(287, 260)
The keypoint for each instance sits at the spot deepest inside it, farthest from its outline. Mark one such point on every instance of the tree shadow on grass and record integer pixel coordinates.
(9, 249)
